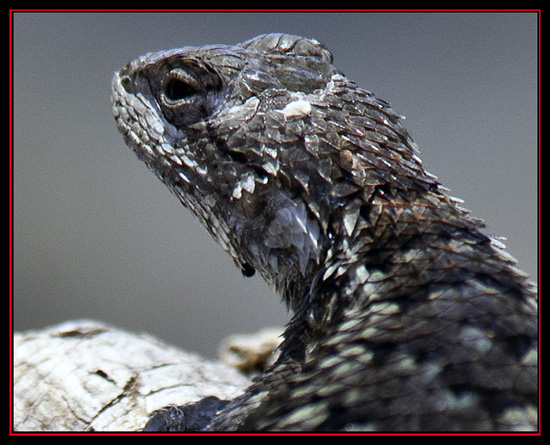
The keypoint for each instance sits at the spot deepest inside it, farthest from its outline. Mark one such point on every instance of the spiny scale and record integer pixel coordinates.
(406, 316)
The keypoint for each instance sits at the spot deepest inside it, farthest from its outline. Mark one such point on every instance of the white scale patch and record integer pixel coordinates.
(300, 107)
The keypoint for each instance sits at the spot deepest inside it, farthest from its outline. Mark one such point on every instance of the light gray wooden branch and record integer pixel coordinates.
(88, 376)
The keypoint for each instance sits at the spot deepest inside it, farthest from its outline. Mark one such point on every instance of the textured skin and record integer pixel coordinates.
(406, 316)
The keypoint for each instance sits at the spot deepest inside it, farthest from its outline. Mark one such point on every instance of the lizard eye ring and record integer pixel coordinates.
(179, 86)
(186, 92)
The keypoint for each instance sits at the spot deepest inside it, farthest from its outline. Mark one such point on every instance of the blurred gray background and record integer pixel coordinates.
(96, 235)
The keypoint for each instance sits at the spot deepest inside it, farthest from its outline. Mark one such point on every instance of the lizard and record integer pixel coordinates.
(406, 316)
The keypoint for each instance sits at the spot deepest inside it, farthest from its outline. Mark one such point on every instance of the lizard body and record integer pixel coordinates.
(406, 316)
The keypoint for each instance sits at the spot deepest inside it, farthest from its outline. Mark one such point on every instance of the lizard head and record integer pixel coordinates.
(267, 143)
(213, 124)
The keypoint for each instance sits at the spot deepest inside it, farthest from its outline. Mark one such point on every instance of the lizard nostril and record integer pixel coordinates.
(126, 83)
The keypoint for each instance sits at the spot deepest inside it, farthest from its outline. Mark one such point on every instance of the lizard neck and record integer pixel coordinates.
(405, 248)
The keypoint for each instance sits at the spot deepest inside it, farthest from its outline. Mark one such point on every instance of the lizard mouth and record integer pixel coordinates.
(121, 99)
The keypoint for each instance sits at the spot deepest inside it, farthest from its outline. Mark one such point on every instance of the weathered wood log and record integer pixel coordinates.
(88, 376)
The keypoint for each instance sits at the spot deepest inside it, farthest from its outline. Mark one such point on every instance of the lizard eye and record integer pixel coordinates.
(177, 90)
(179, 86)
(186, 94)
